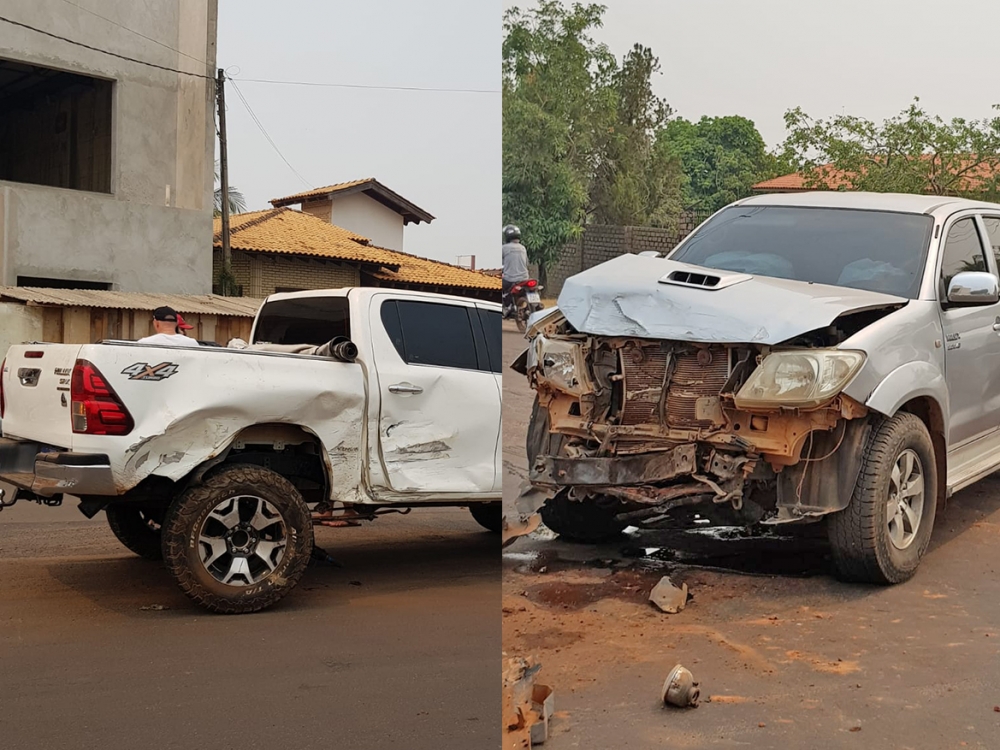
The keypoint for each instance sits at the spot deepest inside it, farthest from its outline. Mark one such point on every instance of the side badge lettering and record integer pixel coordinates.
(143, 371)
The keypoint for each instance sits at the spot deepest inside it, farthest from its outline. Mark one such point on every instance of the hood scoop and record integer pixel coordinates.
(700, 278)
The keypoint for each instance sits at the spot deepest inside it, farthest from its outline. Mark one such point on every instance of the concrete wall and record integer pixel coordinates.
(369, 218)
(151, 232)
(602, 243)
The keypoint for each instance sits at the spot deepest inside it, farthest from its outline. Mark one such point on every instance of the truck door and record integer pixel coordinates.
(439, 418)
(489, 315)
(972, 343)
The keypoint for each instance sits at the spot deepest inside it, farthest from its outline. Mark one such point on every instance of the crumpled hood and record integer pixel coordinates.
(624, 297)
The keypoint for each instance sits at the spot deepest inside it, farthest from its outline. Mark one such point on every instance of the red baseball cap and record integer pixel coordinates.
(182, 325)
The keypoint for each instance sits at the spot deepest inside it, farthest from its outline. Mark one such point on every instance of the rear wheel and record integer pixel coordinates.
(588, 521)
(137, 528)
(240, 541)
(521, 315)
(885, 530)
(488, 515)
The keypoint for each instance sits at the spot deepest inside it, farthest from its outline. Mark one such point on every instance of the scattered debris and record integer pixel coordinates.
(319, 554)
(667, 597)
(527, 707)
(153, 608)
(355, 583)
(680, 689)
(855, 729)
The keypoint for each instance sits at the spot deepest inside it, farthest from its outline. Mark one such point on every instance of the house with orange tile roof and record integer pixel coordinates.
(284, 250)
(364, 206)
(970, 177)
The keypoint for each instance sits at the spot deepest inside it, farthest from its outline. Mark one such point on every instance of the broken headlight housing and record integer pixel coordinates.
(799, 379)
(562, 364)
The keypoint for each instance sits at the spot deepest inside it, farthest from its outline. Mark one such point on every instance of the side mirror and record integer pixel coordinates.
(973, 288)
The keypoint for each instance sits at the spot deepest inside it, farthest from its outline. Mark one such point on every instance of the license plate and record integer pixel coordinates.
(533, 297)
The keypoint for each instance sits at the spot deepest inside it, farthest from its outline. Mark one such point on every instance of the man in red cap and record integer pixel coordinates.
(168, 324)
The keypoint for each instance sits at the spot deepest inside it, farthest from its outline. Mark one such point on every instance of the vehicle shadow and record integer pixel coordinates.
(729, 551)
(139, 588)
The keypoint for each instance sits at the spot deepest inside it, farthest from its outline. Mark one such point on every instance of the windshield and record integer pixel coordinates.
(879, 251)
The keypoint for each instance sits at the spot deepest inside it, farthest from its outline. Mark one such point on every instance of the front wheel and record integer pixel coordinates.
(240, 541)
(587, 521)
(886, 528)
(488, 515)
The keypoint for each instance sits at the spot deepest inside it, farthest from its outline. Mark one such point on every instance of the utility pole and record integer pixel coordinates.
(227, 256)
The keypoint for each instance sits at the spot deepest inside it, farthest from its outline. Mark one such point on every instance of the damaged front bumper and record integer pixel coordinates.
(45, 472)
(656, 424)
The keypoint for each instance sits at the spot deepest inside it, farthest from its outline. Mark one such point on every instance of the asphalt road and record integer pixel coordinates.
(398, 649)
(786, 656)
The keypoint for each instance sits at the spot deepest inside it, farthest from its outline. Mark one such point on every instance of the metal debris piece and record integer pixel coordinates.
(520, 515)
(680, 689)
(527, 707)
(667, 597)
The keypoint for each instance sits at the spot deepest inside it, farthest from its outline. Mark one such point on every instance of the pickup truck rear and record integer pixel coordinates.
(356, 402)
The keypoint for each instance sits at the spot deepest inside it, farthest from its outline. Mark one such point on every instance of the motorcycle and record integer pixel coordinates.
(523, 300)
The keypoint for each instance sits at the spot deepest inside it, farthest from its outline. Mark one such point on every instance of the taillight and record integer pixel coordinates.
(96, 408)
(531, 283)
(3, 396)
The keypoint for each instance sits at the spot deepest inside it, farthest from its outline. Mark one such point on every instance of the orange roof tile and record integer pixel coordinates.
(282, 230)
(371, 187)
(415, 270)
(289, 232)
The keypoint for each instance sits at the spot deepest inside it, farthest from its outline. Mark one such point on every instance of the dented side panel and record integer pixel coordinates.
(194, 414)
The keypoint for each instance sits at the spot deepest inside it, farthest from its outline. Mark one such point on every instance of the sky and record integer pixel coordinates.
(867, 58)
(440, 150)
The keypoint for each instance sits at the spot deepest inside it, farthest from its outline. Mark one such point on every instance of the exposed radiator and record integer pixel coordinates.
(696, 374)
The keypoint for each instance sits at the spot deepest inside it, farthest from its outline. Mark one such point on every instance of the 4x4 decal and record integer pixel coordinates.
(142, 371)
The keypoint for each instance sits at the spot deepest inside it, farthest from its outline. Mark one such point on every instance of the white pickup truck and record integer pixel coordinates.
(211, 456)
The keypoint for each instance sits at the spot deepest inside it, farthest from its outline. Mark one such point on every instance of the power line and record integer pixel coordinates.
(361, 86)
(133, 31)
(263, 130)
(103, 51)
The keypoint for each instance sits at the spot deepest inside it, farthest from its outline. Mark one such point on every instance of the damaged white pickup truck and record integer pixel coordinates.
(380, 400)
(824, 356)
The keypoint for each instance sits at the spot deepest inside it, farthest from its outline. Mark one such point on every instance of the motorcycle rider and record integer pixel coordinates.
(515, 263)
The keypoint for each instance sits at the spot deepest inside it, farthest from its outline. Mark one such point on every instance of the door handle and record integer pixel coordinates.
(996, 325)
(405, 388)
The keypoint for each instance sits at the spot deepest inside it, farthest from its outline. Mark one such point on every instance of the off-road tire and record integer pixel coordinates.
(488, 515)
(188, 512)
(859, 537)
(139, 529)
(585, 522)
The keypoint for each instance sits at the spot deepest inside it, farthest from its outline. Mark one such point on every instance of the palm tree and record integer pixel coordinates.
(237, 203)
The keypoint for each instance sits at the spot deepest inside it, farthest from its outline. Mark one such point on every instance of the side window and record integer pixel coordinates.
(993, 234)
(963, 251)
(494, 338)
(430, 333)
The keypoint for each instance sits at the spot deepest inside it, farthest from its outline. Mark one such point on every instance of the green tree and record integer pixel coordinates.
(579, 130)
(634, 183)
(912, 152)
(722, 158)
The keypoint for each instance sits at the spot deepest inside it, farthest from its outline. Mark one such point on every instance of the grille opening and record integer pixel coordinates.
(694, 279)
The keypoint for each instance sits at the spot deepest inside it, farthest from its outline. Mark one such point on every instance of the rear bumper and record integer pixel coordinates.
(46, 472)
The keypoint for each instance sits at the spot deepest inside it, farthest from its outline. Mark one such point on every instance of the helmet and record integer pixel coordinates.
(511, 233)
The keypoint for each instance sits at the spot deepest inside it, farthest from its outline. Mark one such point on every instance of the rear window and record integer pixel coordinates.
(309, 320)
(879, 251)
(431, 333)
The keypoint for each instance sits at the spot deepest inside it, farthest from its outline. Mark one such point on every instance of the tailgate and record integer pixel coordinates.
(36, 389)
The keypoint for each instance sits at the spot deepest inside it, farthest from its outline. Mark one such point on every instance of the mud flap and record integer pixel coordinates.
(823, 484)
(520, 515)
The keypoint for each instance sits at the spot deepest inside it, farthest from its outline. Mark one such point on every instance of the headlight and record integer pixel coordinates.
(800, 379)
(561, 363)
